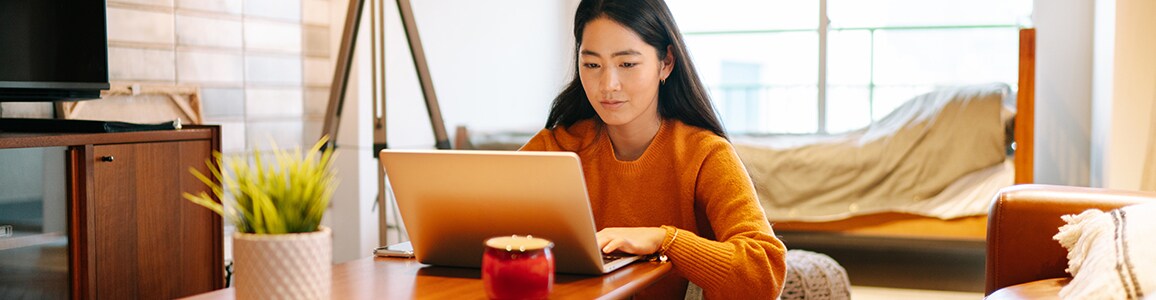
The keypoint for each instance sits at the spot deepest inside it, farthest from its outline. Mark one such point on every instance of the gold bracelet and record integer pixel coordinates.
(666, 246)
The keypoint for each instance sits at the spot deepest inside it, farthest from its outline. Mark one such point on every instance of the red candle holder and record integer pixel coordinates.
(518, 267)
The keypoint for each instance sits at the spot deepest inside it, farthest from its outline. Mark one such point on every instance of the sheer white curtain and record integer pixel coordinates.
(1148, 180)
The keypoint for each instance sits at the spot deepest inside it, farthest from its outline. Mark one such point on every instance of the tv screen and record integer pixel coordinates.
(53, 50)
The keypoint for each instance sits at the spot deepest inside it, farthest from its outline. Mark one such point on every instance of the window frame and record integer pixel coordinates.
(823, 31)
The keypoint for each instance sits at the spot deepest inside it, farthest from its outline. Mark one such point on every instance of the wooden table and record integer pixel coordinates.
(400, 278)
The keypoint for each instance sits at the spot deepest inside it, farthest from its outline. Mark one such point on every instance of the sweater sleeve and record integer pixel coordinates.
(747, 261)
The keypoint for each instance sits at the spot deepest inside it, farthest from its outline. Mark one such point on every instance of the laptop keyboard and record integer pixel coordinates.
(609, 258)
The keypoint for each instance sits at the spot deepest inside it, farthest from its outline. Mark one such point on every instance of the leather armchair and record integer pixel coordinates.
(1023, 262)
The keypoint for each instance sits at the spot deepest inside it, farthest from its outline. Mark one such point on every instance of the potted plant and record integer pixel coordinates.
(280, 250)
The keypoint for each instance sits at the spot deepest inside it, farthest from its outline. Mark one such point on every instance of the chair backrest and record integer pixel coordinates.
(1023, 220)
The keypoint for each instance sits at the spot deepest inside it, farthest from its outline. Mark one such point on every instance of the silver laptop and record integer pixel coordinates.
(451, 201)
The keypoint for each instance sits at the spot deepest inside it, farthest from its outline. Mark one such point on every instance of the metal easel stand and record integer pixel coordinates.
(341, 83)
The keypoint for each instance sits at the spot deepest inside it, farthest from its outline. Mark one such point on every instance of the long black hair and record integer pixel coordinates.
(682, 97)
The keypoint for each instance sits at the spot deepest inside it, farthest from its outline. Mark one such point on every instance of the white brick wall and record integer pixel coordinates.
(282, 103)
(221, 6)
(222, 32)
(316, 41)
(161, 3)
(316, 102)
(210, 67)
(262, 65)
(223, 103)
(139, 26)
(276, 36)
(315, 12)
(232, 136)
(318, 71)
(273, 69)
(289, 10)
(285, 134)
(142, 64)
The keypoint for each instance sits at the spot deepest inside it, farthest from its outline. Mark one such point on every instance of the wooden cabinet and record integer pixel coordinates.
(131, 235)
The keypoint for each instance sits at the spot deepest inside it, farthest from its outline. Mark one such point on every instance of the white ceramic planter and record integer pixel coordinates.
(283, 266)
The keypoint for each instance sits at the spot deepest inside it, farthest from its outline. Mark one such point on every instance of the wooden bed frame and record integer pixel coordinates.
(902, 225)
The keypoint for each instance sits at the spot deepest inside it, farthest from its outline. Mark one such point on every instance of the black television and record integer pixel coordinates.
(53, 50)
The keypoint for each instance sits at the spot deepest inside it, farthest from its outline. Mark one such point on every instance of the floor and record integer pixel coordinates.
(35, 272)
(880, 293)
(902, 269)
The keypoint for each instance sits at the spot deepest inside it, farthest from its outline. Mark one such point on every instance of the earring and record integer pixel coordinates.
(662, 81)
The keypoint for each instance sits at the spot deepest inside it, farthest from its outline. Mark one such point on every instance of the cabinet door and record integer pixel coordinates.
(149, 242)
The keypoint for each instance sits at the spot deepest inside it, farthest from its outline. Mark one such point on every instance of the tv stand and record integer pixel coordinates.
(79, 126)
(129, 233)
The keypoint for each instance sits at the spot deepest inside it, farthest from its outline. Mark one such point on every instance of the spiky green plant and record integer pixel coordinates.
(289, 195)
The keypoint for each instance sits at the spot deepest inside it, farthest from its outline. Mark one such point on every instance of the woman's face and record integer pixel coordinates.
(620, 73)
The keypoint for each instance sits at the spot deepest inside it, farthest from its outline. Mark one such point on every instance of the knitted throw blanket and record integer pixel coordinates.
(1111, 255)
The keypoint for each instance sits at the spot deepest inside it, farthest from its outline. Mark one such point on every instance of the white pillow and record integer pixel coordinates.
(1111, 255)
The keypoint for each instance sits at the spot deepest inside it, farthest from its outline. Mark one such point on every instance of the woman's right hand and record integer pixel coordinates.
(633, 240)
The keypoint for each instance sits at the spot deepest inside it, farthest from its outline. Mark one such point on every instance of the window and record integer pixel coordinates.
(771, 67)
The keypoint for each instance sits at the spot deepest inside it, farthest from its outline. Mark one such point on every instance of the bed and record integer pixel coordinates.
(934, 200)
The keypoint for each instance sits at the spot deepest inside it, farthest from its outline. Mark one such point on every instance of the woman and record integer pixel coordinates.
(661, 175)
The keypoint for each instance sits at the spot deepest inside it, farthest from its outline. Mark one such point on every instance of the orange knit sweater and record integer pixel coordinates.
(689, 178)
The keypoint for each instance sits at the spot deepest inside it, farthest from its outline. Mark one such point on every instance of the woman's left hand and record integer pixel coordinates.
(633, 240)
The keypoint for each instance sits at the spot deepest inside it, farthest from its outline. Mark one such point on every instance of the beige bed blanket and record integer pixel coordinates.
(909, 156)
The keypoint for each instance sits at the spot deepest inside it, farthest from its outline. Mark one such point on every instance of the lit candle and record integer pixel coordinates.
(518, 267)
